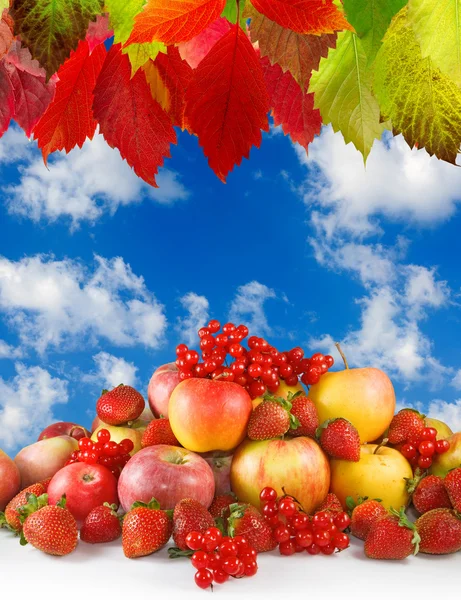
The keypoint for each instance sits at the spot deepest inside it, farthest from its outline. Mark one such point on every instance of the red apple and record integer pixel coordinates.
(85, 487)
(161, 384)
(207, 415)
(10, 479)
(43, 459)
(220, 463)
(64, 428)
(167, 473)
(298, 465)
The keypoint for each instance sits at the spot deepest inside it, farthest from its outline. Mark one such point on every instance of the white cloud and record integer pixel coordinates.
(198, 315)
(59, 304)
(8, 351)
(112, 371)
(422, 290)
(26, 404)
(248, 307)
(456, 381)
(14, 146)
(448, 412)
(82, 185)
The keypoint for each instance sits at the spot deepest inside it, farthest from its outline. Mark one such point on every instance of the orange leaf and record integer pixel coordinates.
(69, 119)
(304, 16)
(174, 21)
(129, 118)
(227, 102)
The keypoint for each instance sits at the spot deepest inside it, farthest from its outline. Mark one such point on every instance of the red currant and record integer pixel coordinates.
(199, 560)
(251, 568)
(424, 462)
(219, 576)
(328, 549)
(231, 565)
(248, 554)
(300, 521)
(409, 451)
(313, 549)
(287, 548)
(322, 537)
(442, 446)
(194, 540)
(84, 443)
(341, 541)
(428, 433)
(329, 360)
(204, 579)
(296, 355)
(426, 448)
(342, 521)
(228, 548)
(281, 534)
(287, 507)
(214, 326)
(229, 328)
(304, 538)
(181, 349)
(211, 539)
(126, 445)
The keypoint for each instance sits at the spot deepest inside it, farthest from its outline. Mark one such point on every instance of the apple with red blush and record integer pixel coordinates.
(161, 385)
(64, 428)
(10, 479)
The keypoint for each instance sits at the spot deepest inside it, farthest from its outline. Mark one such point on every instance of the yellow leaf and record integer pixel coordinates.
(157, 87)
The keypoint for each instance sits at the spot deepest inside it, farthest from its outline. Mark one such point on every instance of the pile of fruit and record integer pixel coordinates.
(234, 457)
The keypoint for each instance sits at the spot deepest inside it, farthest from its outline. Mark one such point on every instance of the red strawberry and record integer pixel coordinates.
(46, 483)
(220, 505)
(101, 525)
(159, 432)
(452, 484)
(246, 520)
(51, 529)
(440, 531)
(11, 517)
(271, 419)
(145, 529)
(120, 405)
(364, 515)
(305, 411)
(339, 439)
(429, 493)
(406, 424)
(331, 503)
(392, 537)
(189, 515)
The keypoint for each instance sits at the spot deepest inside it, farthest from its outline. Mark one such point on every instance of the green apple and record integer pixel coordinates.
(119, 433)
(442, 463)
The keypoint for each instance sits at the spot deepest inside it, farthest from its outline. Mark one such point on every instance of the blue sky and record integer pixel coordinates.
(101, 276)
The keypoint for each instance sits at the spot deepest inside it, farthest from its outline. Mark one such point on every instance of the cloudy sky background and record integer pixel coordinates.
(101, 276)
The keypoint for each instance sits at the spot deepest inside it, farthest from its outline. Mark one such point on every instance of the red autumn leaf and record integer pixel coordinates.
(129, 118)
(98, 32)
(6, 99)
(304, 16)
(292, 108)
(177, 75)
(198, 47)
(227, 102)
(27, 84)
(69, 119)
(175, 21)
(6, 32)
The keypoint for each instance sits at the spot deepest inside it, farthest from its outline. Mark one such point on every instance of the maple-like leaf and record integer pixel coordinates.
(6, 99)
(98, 32)
(296, 52)
(175, 21)
(129, 118)
(304, 16)
(233, 9)
(422, 102)
(343, 93)
(6, 32)
(195, 50)
(292, 108)
(370, 19)
(69, 120)
(437, 25)
(52, 28)
(27, 84)
(227, 102)
(158, 89)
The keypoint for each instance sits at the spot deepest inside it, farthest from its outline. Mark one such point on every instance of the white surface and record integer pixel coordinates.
(102, 571)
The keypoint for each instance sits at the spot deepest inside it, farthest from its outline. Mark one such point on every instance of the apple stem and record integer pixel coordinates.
(383, 443)
(223, 374)
(76, 427)
(343, 356)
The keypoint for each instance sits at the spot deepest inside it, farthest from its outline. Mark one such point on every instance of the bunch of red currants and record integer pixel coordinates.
(258, 368)
(295, 531)
(217, 558)
(104, 452)
(420, 452)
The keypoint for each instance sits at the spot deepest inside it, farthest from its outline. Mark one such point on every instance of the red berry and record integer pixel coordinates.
(292, 380)
(342, 521)
(341, 541)
(181, 349)
(300, 521)
(103, 436)
(199, 560)
(329, 360)
(211, 539)
(322, 519)
(270, 509)
(295, 355)
(322, 537)
(251, 568)
(328, 549)
(426, 448)
(312, 375)
(204, 578)
(229, 328)
(428, 433)
(219, 576)
(304, 538)
(231, 565)
(228, 548)
(287, 507)
(442, 446)
(268, 494)
(214, 326)
(281, 534)
(409, 451)
(424, 462)
(194, 540)
(313, 549)
(126, 445)
(287, 548)
(248, 554)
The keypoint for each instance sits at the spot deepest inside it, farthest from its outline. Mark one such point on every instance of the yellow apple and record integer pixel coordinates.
(282, 392)
(443, 431)
(365, 397)
(117, 434)
(442, 463)
(381, 475)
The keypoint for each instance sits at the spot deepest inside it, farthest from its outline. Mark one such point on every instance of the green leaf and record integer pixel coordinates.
(342, 88)
(437, 26)
(230, 12)
(52, 28)
(370, 19)
(423, 103)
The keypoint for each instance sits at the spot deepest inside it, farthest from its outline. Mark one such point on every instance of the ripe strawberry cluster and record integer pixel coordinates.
(295, 531)
(258, 368)
(420, 451)
(105, 452)
(217, 558)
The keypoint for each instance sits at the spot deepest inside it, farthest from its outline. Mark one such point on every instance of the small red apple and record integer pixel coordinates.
(64, 428)
(85, 487)
(161, 385)
(167, 473)
(10, 479)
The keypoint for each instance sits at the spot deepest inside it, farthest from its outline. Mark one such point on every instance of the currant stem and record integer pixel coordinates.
(343, 356)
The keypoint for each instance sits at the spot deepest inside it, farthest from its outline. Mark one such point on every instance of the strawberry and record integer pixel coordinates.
(159, 432)
(46, 483)
(428, 493)
(339, 439)
(220, 506)
(303, 409)
(392, 537)
(189, 515)
(51, 529)
(145, 529)
(364, 514)
(246, 520)
(440, 531)
(331, 503)
(452, 484)
(120, 405)
(101, 525)
(406, 424)
(271, 418)
(11, 517)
